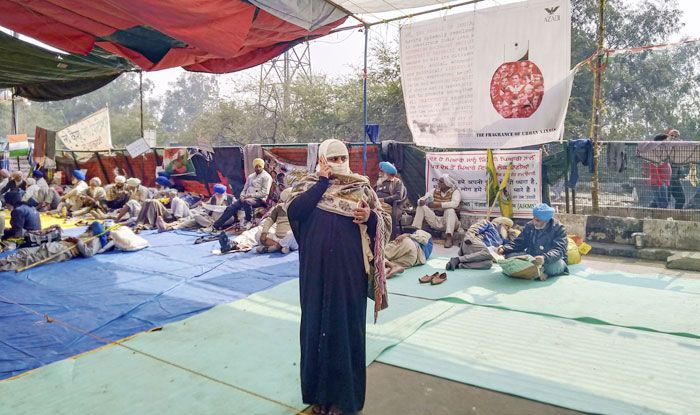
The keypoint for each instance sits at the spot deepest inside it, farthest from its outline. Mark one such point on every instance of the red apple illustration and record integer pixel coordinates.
(517, 88)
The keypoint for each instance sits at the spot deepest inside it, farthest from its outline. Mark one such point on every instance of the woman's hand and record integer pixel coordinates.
(325, 170)
(361, 213)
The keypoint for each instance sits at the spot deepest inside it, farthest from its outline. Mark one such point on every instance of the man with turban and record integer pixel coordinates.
(391, 191)
(439, 208)
(282, 239)
(72, 199)
(47, 198)
(337, 219)
(474, 252)
(254, 194)
(116, 194)
(94, 241)
(204, 216)
(92, 199)
(543, 238)
(138, 194)
(23, 218)
(16, 182)
(407, 250)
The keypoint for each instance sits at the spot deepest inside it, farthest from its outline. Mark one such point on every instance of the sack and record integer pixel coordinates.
(572, 252)
(520, 267)
(126, 240)
(35, 238)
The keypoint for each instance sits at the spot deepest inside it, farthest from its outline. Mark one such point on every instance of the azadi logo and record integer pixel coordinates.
(551, 17)
(551, 10)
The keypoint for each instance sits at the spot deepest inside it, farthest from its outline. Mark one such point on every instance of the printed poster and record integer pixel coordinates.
(176, 161)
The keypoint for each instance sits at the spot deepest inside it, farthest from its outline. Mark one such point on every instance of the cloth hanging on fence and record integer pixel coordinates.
(580, 151)
(674, 152)
(553, 169)
(229, 161)
(311, 157)
(250, 153)
(205, 169)
(372, 131)
(616, 157)
(413, 174)
(39, 146)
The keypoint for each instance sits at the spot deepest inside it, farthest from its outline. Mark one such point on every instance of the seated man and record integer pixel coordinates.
(138, 194)
(16, 182)
(72, 199)
(543, 238)
(407, 250)
(391, 191)
(204, 216)
(474, 251)
(116, 194)
(48, 199)
(438, 208)
(282, 239)
(93, 241)
(31, 195)
(92, 199)
(255, 193)
(165, 204)
(23, 218)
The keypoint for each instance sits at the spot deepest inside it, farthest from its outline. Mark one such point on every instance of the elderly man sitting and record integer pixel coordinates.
(438, 208)
(23, 218)
(254, 194)
(482, 236)
(543, 238)
(407, 250)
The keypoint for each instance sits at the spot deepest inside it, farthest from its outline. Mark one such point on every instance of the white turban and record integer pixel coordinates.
(502, 220)
(284, 196)
(120, 179)
(30, 181)
(96, 180)
(448, 180)
(133, 182)
(334, 148)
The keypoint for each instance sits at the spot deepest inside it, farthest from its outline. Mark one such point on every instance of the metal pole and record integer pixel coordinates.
(141, 99)
(364, 107)
(597, 105)
(14, 113)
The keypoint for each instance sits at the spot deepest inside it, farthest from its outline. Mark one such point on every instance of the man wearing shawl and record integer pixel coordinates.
(341, 230)
(438, 208)
(94, 241)
(543, 238)
(484, 235)
(254, 194)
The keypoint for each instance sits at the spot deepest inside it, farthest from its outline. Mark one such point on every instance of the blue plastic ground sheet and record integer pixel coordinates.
(55, 311)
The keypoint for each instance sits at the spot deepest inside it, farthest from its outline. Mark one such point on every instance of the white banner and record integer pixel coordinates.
(468, 169)
(494, 78)
(137, 147)
(89, 134)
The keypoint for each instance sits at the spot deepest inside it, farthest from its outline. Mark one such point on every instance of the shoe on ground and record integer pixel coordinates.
(452, 264)
(448, 241)
(285, 250)
(262, 249)
(224, 242)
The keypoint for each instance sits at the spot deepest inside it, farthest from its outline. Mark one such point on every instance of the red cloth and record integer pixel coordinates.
(659, 174)
(220, 35)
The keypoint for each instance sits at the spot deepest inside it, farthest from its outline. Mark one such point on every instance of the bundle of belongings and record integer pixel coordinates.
(522, 266)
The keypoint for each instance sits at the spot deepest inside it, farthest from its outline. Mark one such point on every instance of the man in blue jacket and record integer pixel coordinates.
(544, 238)
(22, 217)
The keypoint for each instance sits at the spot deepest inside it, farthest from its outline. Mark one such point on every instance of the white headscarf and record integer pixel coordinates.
(334, 148)
(448, 180)
(120, 179)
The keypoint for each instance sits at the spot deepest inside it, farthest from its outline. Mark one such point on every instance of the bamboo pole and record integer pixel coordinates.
(597, 103)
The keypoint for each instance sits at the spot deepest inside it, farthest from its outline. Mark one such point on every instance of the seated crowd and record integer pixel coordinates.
(259, 217)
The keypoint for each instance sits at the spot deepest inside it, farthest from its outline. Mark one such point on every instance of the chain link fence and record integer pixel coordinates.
(635, 179)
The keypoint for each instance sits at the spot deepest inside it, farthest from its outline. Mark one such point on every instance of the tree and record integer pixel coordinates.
(190, 96)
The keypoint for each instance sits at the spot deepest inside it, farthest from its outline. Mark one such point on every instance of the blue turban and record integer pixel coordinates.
(163, 181)
(387, 167)
(219, 188)
(78, 174)
(164, 174)
(37, 173)
(543, 212)
(98, 228)
(14, 198)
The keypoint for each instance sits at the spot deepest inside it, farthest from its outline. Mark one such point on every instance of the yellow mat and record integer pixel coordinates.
(47, 220)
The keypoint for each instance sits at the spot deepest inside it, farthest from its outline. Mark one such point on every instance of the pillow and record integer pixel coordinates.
(126, 240)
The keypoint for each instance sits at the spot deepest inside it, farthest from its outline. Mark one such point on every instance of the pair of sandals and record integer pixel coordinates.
(435, 279)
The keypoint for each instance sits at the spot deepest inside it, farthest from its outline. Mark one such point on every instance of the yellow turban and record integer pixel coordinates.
(259, 162)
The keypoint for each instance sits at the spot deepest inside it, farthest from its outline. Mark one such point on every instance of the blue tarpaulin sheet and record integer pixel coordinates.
(93, 301)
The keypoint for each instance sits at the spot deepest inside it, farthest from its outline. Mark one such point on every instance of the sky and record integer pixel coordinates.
(341, 54)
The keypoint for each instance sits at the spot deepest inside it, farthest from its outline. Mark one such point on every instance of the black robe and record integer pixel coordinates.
(333, 294)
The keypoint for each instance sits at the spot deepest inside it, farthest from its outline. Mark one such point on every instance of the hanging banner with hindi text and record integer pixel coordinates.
(468, 169)
(89, 134)
(498, 77)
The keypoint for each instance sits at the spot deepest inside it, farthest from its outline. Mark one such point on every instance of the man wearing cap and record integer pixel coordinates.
(474, 252)
(544, 238)
(282, 239)
(254, 194)
(439, 208)
(116, 194)
(391, 191)
(23, 218)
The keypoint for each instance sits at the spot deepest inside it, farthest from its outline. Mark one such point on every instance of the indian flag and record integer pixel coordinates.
(19, 145)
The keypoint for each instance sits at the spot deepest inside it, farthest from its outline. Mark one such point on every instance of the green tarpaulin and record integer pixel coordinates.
(42, 75)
